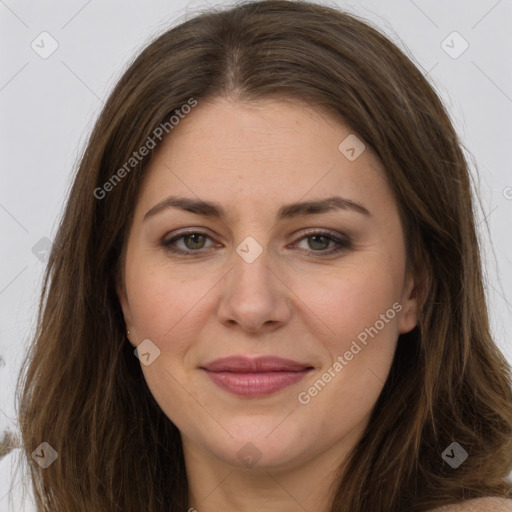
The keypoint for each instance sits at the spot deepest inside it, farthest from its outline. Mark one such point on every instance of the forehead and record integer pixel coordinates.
(266, 151)
(262, 130)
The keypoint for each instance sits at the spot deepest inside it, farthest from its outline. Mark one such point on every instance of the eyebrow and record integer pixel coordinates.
(211, 209)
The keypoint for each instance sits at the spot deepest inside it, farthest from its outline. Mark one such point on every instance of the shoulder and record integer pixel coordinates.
(478, 505)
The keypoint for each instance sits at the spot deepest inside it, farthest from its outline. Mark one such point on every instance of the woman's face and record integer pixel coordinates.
(322, 288)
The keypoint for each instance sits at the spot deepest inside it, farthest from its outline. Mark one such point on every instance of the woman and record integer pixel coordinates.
(266, 289)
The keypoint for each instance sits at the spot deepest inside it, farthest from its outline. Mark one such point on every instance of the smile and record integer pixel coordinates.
(257, 377)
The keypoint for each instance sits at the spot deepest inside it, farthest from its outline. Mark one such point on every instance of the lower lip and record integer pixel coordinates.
(256, 384)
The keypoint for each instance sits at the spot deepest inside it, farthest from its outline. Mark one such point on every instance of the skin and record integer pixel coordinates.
(291, 301)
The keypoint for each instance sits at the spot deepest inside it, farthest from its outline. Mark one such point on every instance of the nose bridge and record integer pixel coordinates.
(253, 294)
(252, 272)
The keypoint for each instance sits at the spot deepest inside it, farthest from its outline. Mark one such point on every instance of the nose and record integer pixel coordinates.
(254, 297)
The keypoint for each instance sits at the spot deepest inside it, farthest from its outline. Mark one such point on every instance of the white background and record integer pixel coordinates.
(48, 106)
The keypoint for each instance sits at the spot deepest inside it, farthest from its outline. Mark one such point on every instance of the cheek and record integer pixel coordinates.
(361, 308)
(361, 311)
(170, 312)
(161, 299)
(353, 301)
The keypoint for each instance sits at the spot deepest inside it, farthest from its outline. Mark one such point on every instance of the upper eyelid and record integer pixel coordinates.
(308, 231)
(182, 234)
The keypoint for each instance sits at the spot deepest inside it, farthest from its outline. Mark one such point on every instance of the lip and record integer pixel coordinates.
(255, 377)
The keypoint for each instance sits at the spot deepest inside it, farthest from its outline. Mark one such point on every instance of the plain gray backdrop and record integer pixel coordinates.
(48, 103)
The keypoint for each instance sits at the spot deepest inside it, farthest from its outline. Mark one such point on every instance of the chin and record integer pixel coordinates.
(259, 444)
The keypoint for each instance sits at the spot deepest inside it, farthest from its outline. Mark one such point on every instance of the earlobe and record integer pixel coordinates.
(409, 318)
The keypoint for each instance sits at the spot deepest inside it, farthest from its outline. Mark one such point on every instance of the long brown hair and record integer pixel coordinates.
(82, 390)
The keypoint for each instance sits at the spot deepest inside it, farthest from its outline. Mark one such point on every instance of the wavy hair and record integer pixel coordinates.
(81, 388)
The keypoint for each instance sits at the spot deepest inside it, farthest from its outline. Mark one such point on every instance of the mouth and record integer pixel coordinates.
(255, 377)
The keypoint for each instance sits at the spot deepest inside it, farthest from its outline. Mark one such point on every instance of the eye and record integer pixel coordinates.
(317, 242)
(193, 241)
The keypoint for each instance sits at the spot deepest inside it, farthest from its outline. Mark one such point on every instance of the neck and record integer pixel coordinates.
(217, 485)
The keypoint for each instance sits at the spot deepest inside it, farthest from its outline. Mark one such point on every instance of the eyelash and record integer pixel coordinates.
(342, 244)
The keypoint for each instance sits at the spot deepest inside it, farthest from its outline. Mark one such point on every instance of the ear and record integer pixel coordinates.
(413, 298)
(127, 314)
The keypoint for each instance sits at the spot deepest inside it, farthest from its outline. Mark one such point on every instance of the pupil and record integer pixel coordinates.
(193, 237)
(315, 238)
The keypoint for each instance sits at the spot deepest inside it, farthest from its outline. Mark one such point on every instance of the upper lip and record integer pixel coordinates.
(243, 364)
